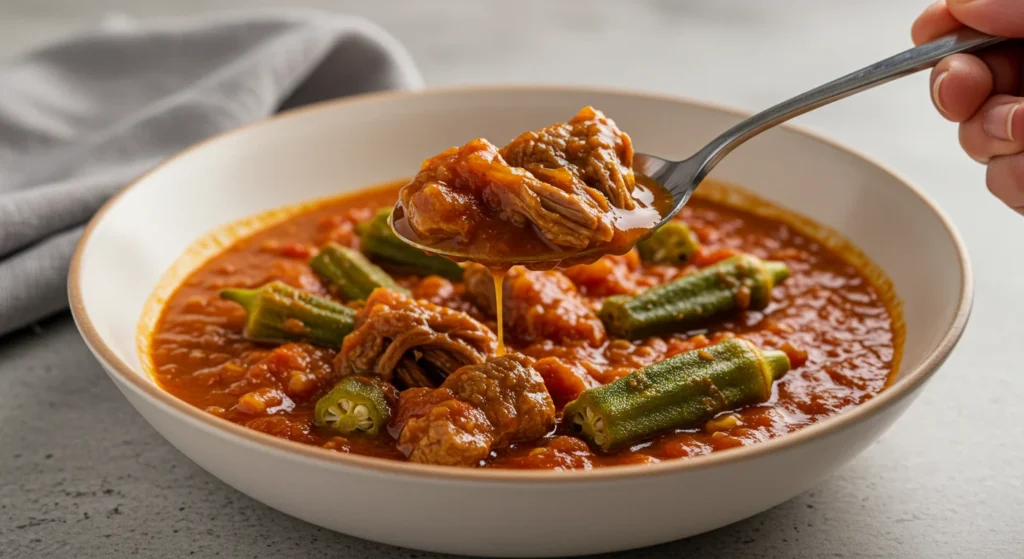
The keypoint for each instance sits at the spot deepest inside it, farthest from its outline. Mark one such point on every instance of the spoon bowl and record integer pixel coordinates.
(543, 261)
(556, 256)
(539, 261)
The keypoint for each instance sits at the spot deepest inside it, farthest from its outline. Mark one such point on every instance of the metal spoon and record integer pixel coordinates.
(681, 178)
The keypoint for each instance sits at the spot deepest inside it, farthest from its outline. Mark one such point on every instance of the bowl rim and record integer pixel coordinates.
(132, 377)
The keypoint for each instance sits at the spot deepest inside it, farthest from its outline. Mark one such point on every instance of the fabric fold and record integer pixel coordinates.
(82, 118)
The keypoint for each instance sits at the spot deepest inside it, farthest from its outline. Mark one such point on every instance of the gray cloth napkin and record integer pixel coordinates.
(81, 118)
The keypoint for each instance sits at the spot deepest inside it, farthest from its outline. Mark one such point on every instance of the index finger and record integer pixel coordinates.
(935, 21)
(1004, 18)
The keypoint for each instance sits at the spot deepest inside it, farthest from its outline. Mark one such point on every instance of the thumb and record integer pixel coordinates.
(1004, 18)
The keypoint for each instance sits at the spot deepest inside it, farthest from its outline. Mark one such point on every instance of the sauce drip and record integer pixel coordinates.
(499, 282)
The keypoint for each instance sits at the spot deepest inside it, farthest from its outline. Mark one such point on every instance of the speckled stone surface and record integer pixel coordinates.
(81, 474)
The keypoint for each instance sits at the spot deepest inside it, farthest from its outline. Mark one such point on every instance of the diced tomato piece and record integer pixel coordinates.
(564, 382)
(704, 258)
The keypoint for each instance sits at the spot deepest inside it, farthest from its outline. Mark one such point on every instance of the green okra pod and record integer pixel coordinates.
(380, 243)
(681, 392)
(356, 404)
(279, 313)
(738, 283)
(672, 243)
(349, 274)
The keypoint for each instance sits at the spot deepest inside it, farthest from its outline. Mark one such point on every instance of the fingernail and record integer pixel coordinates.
(999, 122)
(935, 91)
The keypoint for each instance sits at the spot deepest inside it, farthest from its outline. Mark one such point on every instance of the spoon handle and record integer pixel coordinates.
(902, 64)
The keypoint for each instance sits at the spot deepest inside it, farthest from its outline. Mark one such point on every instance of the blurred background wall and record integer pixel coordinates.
(746, 53)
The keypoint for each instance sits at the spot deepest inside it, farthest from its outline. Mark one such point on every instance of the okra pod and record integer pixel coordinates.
(672, 243)
(681, 392)
(738, 283)
(380, 243)
(277, 312)
(349, 274)
(356, 404)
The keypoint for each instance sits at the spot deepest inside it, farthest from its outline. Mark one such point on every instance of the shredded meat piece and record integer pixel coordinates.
(453, 188)
(538, 305)
(478, 408)
(393, 330)
(589, 150)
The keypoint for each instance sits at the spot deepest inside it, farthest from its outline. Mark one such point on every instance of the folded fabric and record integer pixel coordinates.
(82, 118)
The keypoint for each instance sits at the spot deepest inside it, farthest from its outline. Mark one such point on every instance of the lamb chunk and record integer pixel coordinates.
(538, 305)
(510, 393)
(588, 150)
(478, 408)
(394, 331)
(436, 428)
(452, 190)
(436, 210)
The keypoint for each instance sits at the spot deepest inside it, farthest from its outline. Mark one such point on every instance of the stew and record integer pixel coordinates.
(314, 282)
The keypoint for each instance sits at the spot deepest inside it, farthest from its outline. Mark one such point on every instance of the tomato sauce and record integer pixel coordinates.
(838, 327)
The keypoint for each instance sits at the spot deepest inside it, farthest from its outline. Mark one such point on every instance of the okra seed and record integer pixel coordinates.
(362, 414)
(599, 436)
(595, 422)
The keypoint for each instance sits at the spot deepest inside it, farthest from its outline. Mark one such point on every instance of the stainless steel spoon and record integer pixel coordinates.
(681, 178)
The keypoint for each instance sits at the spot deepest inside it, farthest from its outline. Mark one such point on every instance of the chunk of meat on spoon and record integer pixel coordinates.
(589, 151)
(456, 187)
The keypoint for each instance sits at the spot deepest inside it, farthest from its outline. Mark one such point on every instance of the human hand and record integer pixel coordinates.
(983, 92)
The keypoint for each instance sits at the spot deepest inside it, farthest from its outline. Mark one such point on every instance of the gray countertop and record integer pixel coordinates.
(82, 473)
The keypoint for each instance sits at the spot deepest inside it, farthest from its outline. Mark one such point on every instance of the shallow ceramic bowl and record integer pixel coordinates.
(341, 146)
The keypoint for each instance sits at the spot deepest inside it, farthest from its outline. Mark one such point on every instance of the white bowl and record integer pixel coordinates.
(347, 144)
